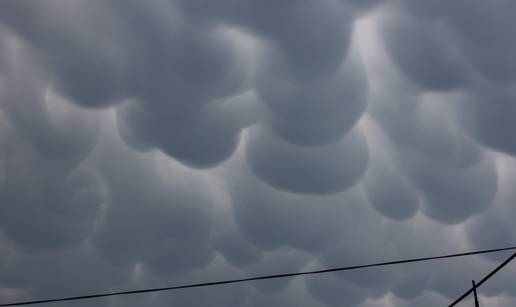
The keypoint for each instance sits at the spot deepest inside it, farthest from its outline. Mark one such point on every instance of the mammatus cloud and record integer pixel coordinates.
(182, 141)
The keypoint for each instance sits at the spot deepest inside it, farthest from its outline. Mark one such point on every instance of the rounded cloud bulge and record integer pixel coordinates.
(170, 66)
(310, 170)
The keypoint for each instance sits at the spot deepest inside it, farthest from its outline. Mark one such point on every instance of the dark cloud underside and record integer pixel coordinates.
(145, 144)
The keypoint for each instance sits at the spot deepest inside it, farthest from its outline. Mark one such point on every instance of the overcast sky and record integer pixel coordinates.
(164, 142)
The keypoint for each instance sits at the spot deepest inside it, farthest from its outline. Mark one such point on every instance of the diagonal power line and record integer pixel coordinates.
(475, 286)
(232, 281)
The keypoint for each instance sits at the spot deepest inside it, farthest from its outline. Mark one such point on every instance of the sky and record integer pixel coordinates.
(165, 142)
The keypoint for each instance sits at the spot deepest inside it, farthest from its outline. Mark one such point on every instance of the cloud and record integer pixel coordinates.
(150, 217)
(49, 200)
(313, 170)
(271, 218)
(184, 141)
(314, 112)
(424, 50)
(335, 292)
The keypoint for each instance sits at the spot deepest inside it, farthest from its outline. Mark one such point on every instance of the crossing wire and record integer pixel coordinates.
(475, 286)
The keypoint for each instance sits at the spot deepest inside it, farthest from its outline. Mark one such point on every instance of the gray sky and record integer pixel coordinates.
(162, 142)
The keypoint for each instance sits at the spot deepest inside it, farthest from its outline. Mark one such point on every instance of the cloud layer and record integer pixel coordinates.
(181, 141)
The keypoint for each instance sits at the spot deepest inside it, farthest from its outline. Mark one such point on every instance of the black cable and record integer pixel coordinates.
(483, 280)
(73, 298)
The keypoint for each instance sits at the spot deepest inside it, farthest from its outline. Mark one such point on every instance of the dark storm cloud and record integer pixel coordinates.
(103, 60)
(42, 183)
(461, 44)
(477, 27)
(56, 129)
(169, 220)
(292, 219)
(487, 112)
(452, 175)
(173, 142)
(32, 271)
(313, 36)
(334, 292)
(74, 41)
(500, 215)
(341, 100)
(424, 50)
(388, 189)
(313, 170)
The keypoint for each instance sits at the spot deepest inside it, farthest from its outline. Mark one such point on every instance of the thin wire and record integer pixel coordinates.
(232, 281)
(483, 280)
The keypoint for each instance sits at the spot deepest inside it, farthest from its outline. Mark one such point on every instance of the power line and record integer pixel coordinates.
(232, 281)
(483, 280)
